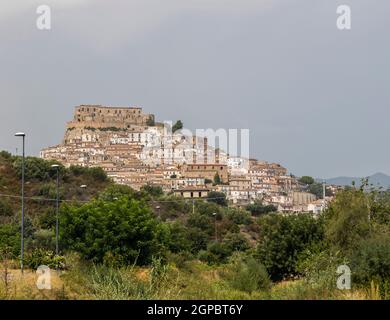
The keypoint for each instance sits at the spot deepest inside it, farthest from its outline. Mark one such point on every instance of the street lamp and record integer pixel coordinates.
(158, 210)
(57, 168)
(215, 225)
(23, 136)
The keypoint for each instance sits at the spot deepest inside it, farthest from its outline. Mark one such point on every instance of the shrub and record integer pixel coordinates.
(39, 257)
(283, 239)
(5, 208)
(217, 197)
(259, 208)
(238, 216)
(248, 275)
(235, 242)
(370, 261)
(347, 219)
(10, 238)
(124, 227)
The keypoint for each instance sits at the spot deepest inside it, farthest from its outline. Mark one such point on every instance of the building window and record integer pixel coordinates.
(192, 194)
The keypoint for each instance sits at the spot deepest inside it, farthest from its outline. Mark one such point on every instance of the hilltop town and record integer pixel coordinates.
(135, 150)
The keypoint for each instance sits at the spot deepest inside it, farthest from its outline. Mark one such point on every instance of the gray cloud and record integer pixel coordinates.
(315, 98)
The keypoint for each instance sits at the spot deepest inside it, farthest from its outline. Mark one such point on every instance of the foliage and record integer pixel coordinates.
(177, 126)
(96, 173)
(10, 238)
(347, 219)
(5, 208)
(370, 262)
(153, 191)
(35, 168)
(248, 275)
(317, 190)
(150, 122)
(217, 197)
(124, 227)
(306, 180)
(282, 240)
(217, 179)
(39, 257)
(238, 216)
(258, 208)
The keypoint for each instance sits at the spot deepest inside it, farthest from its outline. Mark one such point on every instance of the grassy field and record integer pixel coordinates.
(196, 280)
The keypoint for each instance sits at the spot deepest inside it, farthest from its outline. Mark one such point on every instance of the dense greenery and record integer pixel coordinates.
(283, 239)
(259, 208)
(123, 230)
(116, 242)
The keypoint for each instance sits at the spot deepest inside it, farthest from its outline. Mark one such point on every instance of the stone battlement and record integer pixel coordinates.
(98, 116)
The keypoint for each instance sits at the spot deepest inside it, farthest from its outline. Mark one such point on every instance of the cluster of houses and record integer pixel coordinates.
(135, 150)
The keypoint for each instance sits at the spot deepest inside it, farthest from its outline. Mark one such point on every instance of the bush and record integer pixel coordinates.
(370, 261)
(35, 168)
(283, 239)
(5, 208)
(248, 275)
(238, 216)
(39, 257)
(235, 242)
(152, 190)
(259, 208)
(216, 253)
(124, 227)
(10, 238)
(347, 219)
(217, 197)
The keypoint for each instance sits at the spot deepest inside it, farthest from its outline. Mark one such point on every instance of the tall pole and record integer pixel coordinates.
(57, 208)
(323, 194)
(22, 238)
(23, 135)
(215, 226)
(57, 167)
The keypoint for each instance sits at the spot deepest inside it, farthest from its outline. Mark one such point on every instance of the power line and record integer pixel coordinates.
(86, 201)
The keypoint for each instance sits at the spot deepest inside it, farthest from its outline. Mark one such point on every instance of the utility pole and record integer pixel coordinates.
(193, 206)
(323, 194)
(23, 135)
(215, 226)
(57, 167)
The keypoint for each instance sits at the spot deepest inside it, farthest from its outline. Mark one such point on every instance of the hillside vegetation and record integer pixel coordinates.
(118, 243)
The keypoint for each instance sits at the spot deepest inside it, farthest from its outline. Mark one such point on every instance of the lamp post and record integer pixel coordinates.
(57, 168)
(23, 136)
(215, 226)
(158, 210)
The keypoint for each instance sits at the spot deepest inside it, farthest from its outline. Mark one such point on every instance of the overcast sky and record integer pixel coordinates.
(316, 99)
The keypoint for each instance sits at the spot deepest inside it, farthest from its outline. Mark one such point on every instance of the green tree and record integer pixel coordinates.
(153, 191)
(123, 228)
(177, 126)
(306, 180)
(217, 179)
(258, 208)
(347, 219)
(248, 275)
(150, 122)
(5, 208)
(282, 240)
(370, 261)
(217, 197)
